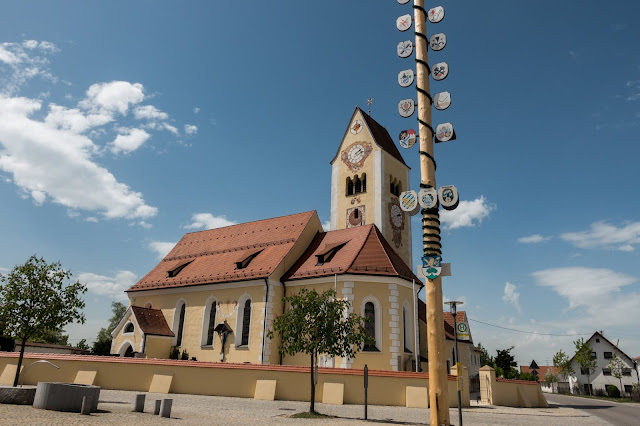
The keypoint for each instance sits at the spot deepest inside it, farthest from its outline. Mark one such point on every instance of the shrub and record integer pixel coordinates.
(185, 355)
(613, 391)
(600, 392)
(175, 353)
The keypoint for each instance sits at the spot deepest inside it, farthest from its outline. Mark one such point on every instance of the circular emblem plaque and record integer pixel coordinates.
(405, 78)
(440, 71)
(436, 14)
(448, 196)
(407, 138)
(406, 107)
(438, 41)
(442, 100)
(409, 202)
(428, 198)
(356, 127)
(444, 132)
(403, 23)
(405, 48)
(403, 1)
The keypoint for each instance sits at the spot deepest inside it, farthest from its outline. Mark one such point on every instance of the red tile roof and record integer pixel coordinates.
(382, 137)
(541, 371)
(152, 321)
(213, 253)
(365, 252)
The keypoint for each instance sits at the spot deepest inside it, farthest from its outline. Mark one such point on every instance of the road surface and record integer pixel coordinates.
(615, 413)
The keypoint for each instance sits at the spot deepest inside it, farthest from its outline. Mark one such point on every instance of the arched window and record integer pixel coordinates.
(370, 326)
(358, 185)
(212, 323)
(128, 328)
(349, 186)
(181, 314)
(246, 320)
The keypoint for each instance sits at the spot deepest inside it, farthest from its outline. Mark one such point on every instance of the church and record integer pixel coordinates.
(215, 295)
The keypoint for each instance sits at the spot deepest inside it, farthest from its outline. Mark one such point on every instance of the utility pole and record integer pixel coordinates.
(438, 391)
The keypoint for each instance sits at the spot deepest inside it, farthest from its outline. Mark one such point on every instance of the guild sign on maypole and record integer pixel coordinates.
(428, 200)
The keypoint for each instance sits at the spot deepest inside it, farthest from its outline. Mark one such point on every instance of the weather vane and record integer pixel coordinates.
(369, 102)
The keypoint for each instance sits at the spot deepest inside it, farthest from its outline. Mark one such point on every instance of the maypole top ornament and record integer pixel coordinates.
(435, 14)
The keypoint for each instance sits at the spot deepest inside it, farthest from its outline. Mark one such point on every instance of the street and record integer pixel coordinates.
(614, 413)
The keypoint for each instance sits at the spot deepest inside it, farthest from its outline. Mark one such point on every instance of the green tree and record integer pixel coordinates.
(53, 337)
(585, 359)
(82, 344)
(35, 300)
(562, 361)
(550, 376)
(506, 362)
(317, 324)
(102, 344)
(617, 367)
(485, 358)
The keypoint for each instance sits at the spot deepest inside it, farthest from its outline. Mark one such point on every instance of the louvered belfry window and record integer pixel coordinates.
(246, 319)
(212, 324)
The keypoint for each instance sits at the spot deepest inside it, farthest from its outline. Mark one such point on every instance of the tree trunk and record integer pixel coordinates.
(15, 380)
(589, 383)
(312, 407)
(621, 388)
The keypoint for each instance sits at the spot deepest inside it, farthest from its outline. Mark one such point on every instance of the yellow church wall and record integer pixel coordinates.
(134, 338)
(157, 347)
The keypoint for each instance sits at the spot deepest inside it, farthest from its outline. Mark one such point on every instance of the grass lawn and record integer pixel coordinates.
(605, 398)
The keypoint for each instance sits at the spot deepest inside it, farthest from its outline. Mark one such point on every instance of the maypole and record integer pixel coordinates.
(428, 198)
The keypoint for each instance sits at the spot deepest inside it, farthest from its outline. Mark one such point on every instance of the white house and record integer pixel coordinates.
(602, 350)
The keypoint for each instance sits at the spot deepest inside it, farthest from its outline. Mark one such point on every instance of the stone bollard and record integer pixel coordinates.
(139, 406)
(156, 410)
(87, 401)
(165, 408)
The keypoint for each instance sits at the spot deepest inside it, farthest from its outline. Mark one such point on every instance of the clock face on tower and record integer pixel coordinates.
(396, 219)
(355, 155)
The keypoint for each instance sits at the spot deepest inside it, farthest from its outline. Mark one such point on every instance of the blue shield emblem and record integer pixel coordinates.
(431, 266)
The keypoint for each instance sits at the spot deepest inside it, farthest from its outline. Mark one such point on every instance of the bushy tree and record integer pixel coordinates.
(35, 299)
(102, 344)
(550, 376)
(82, 344)
(506, 362)
(585, 359)
(562, 361)
(318, 324)
(617, 367)
(485, 358)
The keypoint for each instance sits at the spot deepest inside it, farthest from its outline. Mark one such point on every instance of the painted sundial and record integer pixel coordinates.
(438, 41)
(440, 71)
(406, 107)
(444, 132)
(406, 77)
(442, 100)
(407, 138)
(448, 196)
(435, 14)
(428, 198)
(405, 48)
(356, 127)
(403, 23)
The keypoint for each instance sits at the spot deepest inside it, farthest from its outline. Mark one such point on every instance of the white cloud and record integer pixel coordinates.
(196, 110)
(208, 221)
(170, 128)
(190, 129)
(130, 141)
(112, 287)
(603, 235)
(115, 96)
(596, 291)
(467, 214)
(24, 66)
(635, 90)
(532, 239)
(149, 112)
(162, 248)
(326, 226)
(511, 295)
(4, 270)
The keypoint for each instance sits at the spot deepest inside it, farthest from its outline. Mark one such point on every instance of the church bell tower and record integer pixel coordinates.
(367, 176)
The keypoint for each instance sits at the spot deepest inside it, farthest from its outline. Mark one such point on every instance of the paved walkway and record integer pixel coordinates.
(116, 409)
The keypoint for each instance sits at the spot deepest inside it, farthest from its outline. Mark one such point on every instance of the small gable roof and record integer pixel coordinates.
(542, 370)
(211, 256)
(380, 136)
(365, 252)
(152, 321)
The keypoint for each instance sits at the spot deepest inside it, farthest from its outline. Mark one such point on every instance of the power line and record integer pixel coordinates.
(530, 332)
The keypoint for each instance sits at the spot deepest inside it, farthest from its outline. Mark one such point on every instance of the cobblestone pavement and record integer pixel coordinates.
(116, 409)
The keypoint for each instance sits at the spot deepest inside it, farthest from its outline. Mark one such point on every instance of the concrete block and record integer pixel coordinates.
(333, 393)
(156, 409)
(85, 377)
(87, 402)
(265, 389)
(65, 396)
(17, 396)
(139, 404)
(165, 408)
(417, 397)
(161, 383)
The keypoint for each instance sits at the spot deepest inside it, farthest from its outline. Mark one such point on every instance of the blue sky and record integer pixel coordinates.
(124, 125)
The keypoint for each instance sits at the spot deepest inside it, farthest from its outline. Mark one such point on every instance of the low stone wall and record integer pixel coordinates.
(223, 379)
(17, 396)
(509, 393)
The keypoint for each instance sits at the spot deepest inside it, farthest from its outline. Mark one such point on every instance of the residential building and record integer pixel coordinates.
(561, 385)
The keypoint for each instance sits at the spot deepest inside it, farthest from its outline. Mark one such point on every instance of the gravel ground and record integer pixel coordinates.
(116, 409)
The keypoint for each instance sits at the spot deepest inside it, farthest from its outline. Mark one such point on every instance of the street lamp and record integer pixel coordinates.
(452, 304)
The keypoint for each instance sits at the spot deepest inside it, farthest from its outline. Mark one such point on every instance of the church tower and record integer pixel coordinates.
(367, 176)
